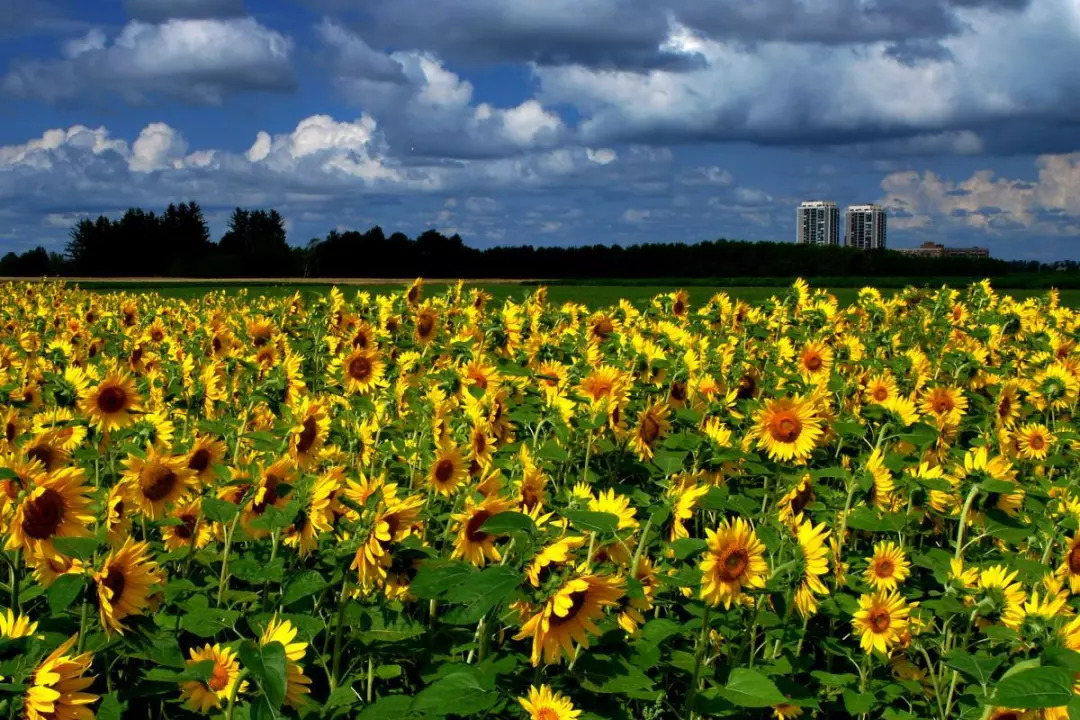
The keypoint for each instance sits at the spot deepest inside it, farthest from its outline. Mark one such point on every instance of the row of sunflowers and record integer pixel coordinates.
(428, 504)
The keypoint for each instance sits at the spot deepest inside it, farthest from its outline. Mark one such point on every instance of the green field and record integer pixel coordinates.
(592, 294)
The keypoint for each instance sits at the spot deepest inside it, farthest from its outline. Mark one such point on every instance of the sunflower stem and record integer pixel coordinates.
(223, 579)
(640, 547)
(699, 656)
(232, 693)
(339, 632)
(370, 677)
(963, 521)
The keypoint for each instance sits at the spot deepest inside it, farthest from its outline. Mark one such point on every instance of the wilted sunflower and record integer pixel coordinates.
(448, 470)
(222, 684)
(57, 685)
(296, 683)
(652, 426)
(543, 704)
(888, 567)
(880, 620)
(155, 482)
(109, 403)
(473, 544)
(734, 560)
(569, 616)
(788, 428)
(124, 582)
(58, 505)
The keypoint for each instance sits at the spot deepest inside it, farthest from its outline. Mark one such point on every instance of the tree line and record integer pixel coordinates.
(177, 243)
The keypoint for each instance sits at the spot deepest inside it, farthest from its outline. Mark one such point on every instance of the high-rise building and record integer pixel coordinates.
(818, 223)
(864, 227)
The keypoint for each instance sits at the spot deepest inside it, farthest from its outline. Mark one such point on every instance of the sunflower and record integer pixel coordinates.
(1007, 407)
(480, 375)
(124, 582)
(117, 517)
(811, 541)
(543, 704)
(888, 567)
(427, 325)
(531, 488)
(815, 360)
(317, 514)
(786, 711)
(1055, 387)
(1001, 598)
(222, 683)
(687, 497)
(652, 426)
(557, 553)
(788, 428)
(602, 325)
(268, 493)
(880, 388)
(47, 448)
(192, 528)
(795, 500)
(310, 432)
(602, 384)
(296, 683)
(880, 620)
(203, 455)
(882, 486)
(569, 616)
(57, 505)
(16, 625)
(109, 403)
(472, 542)
(448, 470)
(1069, 570)
(361, 371)
(57, 685)
(608, 501)
(155, 481)
(945, 404)
(481, 444)
(734, 559)
(1034, 441)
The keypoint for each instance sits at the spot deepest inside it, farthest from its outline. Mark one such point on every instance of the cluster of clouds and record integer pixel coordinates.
(610, 86)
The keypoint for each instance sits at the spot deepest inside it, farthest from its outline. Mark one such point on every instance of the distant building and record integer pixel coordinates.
(818, 223)
(937, 250)
(864, 227)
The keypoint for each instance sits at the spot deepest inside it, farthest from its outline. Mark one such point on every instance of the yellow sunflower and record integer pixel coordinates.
(222, 684)
(795, 500)
(1007, 407)
(555, 554)
(156, 481)
(543, 704)
(124, 582)
(815, 558)
(296, 683)
(880, 621)
(569, 616)
(472, 542)
(206, 452)
(1034, 441)
(880, 388)
(192, 528)
(316, 516)
(734, 559)
(16, 625)
(945, 404)
(427, 325)
(448, 470)
(652, 426)
(57, 505)
(1069, 570)
(1001, 597)
(815, 360)
(788, 428)
(57, 685)
(362, 371)
(109, 403)
(310, 432)
(888, 567)
(608, 501)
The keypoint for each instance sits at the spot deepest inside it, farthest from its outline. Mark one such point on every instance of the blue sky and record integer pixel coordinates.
(548, 122)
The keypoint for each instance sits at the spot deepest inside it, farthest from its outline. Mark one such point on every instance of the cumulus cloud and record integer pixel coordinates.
(1050, 204)
(198, 60)
(159, 10)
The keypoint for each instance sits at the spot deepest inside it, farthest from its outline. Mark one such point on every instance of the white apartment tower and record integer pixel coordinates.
(818, 223)
(864, 227)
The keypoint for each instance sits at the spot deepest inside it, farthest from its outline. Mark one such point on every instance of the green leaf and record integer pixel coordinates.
(373, 628)
(611, 675)
(1061, 657)
(715, 499)
(461, 693)
(388, 672)
(200, 672)
(857, 703)
(978, 667)
(391, 707)
(207, 623)
(217, 510)
(1034, 688)
(686, 547)
(436, 577)
(749, 688)
(483, 591)
(864, 518)
(304, 583)
(505, 523)
(82, 548)
(63, 591)
(267, 664)
(588, 521)
(993, 485)
(670, 462)
(110, 708)
(553, 452)
(921, 435)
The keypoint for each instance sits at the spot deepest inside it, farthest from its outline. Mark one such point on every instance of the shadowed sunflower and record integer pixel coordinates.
(117, 515)
(268, 493)
(788, 428)
(734, 559)
(481, 444)
(296, 683)
(815, 564)
(602, 325)
(13, 625)
(472, 542)
(1069, 570)
(1007, 407)
(109, 403)
(203, 455)
(191, 528)
(57, 685)
(652, 426)
(569, 616)
(124, 582)
(155, 482)
(1034, 441)
(448, 470)
(309, 434)
(362, 371)
(888, 567)
(1000, 597)
(222, 684)
(880, 620)
(796, 499)
(543, 704)
(48, 449)
(58, 505)
(427, 325)
(316, 516)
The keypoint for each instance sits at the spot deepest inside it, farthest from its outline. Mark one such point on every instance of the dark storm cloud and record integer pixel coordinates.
(158, 10)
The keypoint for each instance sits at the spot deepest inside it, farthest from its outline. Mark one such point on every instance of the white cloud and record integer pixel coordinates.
(601, 156)
(634, 216)
(199, 60)
(157, 147)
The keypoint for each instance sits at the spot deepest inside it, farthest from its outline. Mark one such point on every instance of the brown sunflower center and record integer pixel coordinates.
(187, 529)
(734, 565)
(479, 443)
(157, 484)
(678, 392)
(9, 431)
(679, 307)
(44, 453)
(803, 497)
(650, 429)
(577, 601)
(199, 460)
(1010, 715)
(307, 435)
(359, 368)
(43, 515)
(1036, 442)
(884, 568)
(942, 403)
(881, 393)
(812, 361)
(603, 327)
(879, 620)
(114, 580)
(1004, 408)
(547, 713)
(1074, 559)
(112, 400)
(479, 381)
(444, 470)
(785, 427)
(157, 335)
(747, 387)
(472, 527)
(425, 325)
(270, 495)
(219, 678)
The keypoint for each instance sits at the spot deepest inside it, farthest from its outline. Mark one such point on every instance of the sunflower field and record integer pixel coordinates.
(431, 505)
